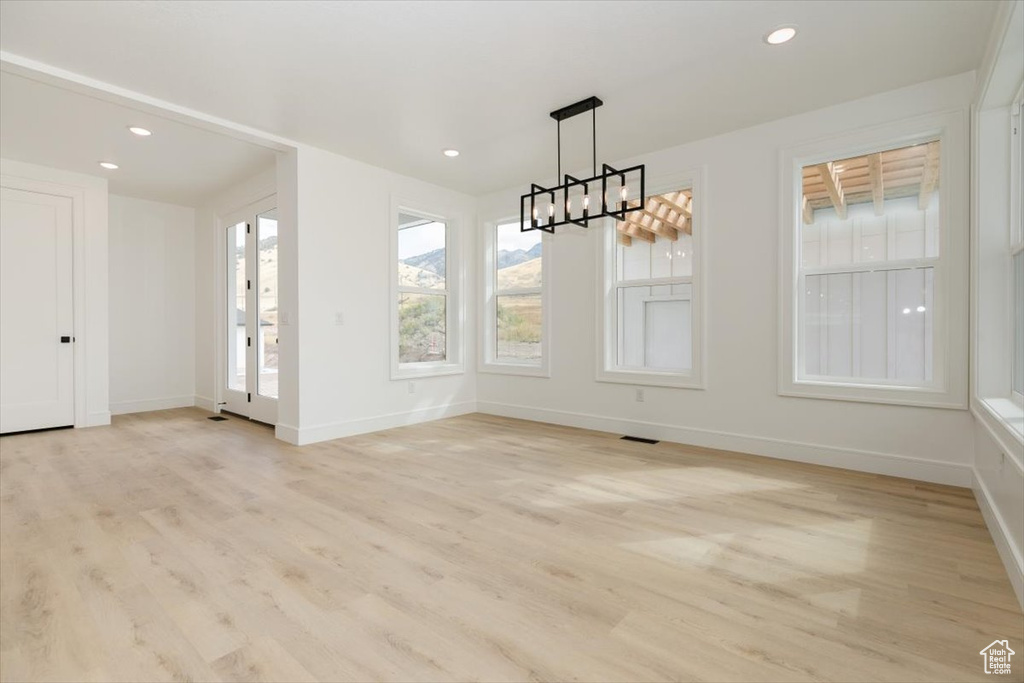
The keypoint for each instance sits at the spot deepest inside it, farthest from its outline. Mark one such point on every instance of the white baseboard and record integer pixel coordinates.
(934, 471)
(205, 402)
(338, 430)
(99, 419)
(1010, 554)
(148, 404)
(287, 433)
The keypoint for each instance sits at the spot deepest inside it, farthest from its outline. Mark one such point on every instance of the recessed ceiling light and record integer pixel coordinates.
(780, 35)
(109, 165)
(451, 152)
(140, 131)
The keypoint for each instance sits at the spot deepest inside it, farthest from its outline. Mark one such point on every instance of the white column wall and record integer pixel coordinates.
(152, 305)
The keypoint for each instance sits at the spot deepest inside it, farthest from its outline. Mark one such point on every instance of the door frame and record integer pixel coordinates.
(258, 408)
(77, 195)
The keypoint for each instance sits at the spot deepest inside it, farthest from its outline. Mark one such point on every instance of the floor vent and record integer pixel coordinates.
(639, 439)
(217, 418)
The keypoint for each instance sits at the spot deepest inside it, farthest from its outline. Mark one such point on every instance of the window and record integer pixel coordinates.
(878, 259)
(516, 323)
(651, 314)
(868, 268)
(425, 313)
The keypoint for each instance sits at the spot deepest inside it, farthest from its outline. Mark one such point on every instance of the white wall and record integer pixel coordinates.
(152, 305)
(999, 487)
(343, 266)
(740, 409)
(999, 448)
(334, 228)
(89, 194)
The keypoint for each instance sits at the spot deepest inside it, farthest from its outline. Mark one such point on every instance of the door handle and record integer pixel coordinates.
(65, 340)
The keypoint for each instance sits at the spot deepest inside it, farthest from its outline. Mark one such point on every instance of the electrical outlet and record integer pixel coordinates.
(339, 318)
(640, 395)
(412, 387)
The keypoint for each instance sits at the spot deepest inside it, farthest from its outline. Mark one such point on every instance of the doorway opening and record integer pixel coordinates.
(251, 324)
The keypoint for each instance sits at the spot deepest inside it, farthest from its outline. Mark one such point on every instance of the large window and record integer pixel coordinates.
(867, 267)
(651, 313)
(874, 309)
(515, 320)
(425, 312)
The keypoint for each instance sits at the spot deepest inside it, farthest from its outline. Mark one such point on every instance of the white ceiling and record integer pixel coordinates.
(180, 164)
(392, 83)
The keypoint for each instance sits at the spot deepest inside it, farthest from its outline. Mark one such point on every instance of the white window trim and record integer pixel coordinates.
(1016, 234)
(488, 337)
(607, 369)
(260, 407)
(455, 314)
(951, 273)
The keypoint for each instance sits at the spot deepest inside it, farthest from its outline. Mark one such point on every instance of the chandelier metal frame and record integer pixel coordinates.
(550, 196)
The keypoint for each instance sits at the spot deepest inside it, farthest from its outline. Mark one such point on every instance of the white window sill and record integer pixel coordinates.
(872, 393)
(427, 370)
(522, 369)
(1008, 413)
(650, 379)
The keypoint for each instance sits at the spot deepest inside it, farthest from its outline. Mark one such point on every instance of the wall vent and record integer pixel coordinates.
(639, 439)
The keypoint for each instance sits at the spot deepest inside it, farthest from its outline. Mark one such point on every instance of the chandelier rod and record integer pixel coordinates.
(590, 104)
(558, 178)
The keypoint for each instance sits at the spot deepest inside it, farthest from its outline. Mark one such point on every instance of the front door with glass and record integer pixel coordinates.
(250, 312)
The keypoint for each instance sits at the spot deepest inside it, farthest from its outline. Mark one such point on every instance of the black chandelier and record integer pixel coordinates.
(574, 201)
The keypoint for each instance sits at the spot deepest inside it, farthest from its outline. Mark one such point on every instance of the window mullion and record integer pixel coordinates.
(405, 289)
(655, 282)
(522, 291)
(873, 266)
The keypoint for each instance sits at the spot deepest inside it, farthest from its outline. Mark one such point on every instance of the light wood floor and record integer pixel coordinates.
(170, 547)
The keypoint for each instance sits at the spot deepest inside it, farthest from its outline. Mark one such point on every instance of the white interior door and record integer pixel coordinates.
(250, 321)
(36, 311)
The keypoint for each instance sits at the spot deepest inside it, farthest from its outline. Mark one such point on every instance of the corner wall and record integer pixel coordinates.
(152, 305)
(999, 448)
(343, 267)
(741, 408)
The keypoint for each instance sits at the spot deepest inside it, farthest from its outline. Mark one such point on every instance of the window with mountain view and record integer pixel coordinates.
(422, 290)
(519, 324)
(514, 332)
